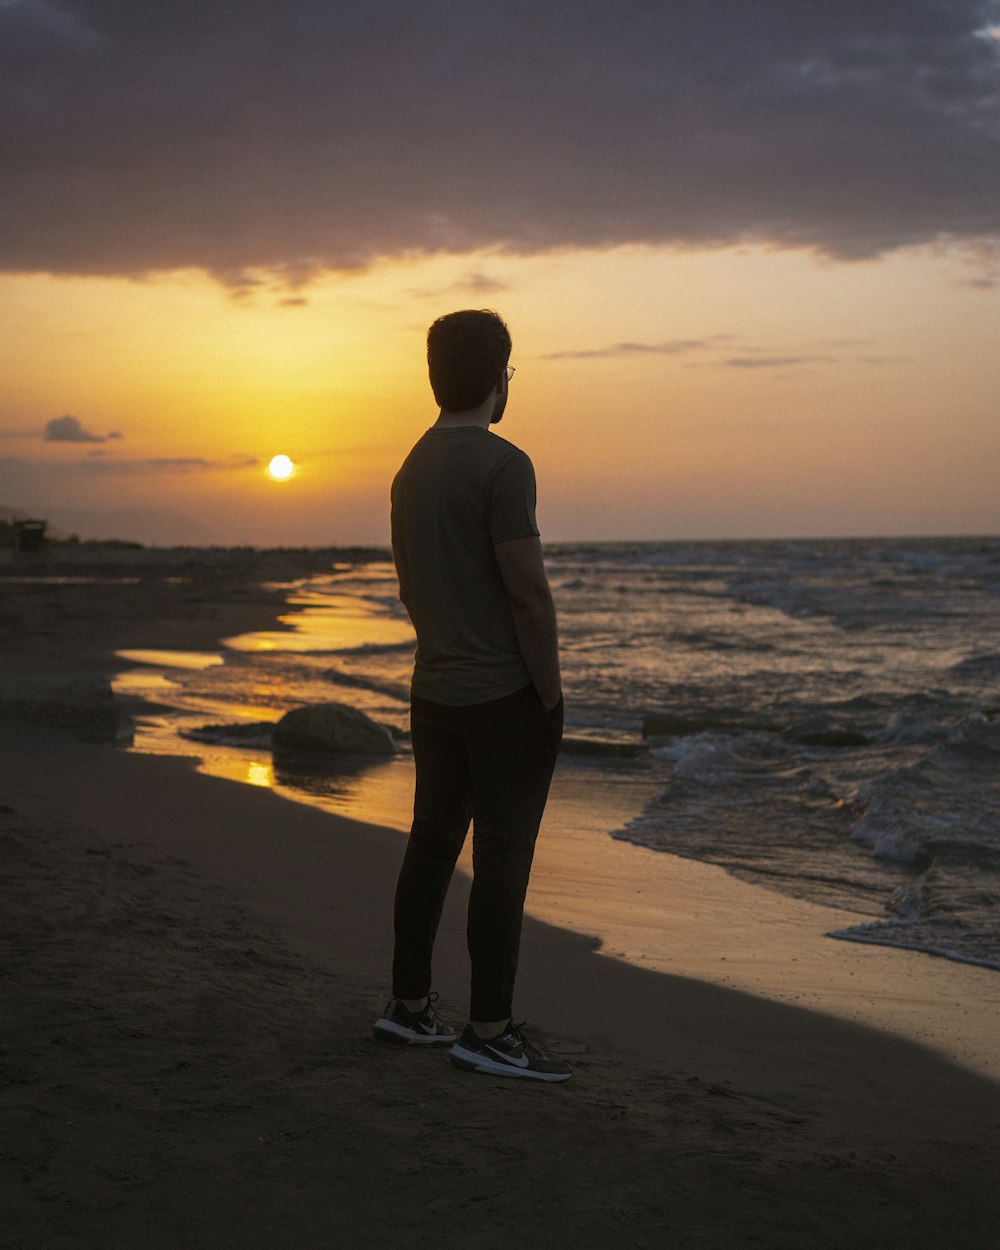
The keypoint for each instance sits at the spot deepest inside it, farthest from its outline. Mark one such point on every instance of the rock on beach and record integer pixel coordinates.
(82, 702)
(333, 727)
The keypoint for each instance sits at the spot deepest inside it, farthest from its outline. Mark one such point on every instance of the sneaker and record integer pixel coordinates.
(510, 1054)
(408, 1029)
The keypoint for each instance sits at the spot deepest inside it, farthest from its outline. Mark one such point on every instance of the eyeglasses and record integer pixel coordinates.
(509, 370)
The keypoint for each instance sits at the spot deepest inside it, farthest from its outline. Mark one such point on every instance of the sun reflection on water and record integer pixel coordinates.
(329, 622)
(193, 660)
(260, 773)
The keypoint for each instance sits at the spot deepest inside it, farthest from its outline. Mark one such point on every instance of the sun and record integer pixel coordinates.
(281, 468)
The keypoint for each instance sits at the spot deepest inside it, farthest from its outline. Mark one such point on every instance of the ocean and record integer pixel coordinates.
(820, 718)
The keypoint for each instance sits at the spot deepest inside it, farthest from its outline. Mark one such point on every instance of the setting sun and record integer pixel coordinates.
(281, 468)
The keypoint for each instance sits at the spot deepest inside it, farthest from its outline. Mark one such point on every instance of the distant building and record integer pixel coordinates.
(29, 536)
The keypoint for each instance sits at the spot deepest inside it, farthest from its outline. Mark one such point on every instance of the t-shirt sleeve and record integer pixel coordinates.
(510, 501)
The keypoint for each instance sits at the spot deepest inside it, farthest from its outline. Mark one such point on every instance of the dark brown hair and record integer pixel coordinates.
(465, 352)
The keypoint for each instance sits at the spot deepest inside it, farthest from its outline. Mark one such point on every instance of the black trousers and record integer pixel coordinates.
(490, 764)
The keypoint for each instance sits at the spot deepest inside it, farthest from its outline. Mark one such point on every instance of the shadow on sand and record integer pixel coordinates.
(196, 965)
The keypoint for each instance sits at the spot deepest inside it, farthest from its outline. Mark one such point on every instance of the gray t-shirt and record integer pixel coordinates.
(459, 492)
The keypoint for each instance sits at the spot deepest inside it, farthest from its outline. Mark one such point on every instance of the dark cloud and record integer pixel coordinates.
(27, 433)
(170, 464)
(307, 135)
(97, 462)
(678, 347)
(481, 284)
(774, 362)
(476, 284)
(68, 429)
(674, 347)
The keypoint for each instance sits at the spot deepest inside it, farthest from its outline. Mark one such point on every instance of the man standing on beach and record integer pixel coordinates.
(486, 704)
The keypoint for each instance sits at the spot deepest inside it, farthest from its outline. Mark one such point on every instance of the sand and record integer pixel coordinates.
(191, 967)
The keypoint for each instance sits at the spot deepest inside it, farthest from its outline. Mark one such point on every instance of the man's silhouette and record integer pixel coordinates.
(486, 701)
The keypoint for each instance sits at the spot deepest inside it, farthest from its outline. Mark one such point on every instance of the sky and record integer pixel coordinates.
(749, 256)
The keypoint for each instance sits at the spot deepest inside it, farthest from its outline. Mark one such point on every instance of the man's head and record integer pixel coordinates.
(467, 353)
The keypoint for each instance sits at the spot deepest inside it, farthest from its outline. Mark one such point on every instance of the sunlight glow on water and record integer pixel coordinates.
(173, 659)
(142, 682)
(329, 623)
(379, 790)
(821, 717)
(260, 773)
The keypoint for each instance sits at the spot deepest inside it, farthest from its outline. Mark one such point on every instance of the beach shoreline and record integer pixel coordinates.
(195, 965)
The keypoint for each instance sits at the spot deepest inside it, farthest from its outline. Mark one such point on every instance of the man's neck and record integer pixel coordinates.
(456, 420)
(480, 416)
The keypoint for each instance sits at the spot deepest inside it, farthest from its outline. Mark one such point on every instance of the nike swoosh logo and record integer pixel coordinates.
(519, 1061)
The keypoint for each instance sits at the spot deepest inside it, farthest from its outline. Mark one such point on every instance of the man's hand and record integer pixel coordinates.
(523, 572)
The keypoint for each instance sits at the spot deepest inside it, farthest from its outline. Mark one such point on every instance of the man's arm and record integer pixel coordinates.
(523, 574)
(403, 594)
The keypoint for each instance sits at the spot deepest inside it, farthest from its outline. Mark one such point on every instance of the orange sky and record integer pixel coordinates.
(661, 393)
(749, 255)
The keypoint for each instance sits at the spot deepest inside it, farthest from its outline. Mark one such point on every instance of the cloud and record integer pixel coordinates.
(147, 136)
(481, 284)
(24, 433)
(774, 362)
(68, 429)
(759, 359)
(171, 464)
(29, 468)
(673, 347)
(471, 284)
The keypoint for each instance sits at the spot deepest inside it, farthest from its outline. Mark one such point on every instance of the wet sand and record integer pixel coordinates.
(193, 965)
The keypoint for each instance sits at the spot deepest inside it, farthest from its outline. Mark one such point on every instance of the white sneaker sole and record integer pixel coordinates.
(389, 1031)
(476, 1061)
